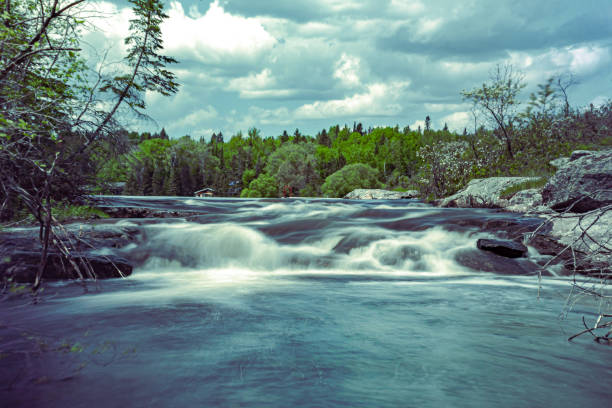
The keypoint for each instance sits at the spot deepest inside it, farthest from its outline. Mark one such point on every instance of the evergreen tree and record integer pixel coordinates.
(284, 137)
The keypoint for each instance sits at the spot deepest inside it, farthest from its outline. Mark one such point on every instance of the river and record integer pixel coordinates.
(302, 303)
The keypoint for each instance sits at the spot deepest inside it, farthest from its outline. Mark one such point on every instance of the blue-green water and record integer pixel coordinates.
(303, 304)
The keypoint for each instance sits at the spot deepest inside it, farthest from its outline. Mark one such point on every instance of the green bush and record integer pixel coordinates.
(263, 186)
(349, 178)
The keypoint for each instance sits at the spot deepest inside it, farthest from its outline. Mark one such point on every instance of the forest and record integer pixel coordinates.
(339, 159)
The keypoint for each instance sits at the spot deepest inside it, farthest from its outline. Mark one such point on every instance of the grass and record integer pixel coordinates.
(67, 212)
(508, 192)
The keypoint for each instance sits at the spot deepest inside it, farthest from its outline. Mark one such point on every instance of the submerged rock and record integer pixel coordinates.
(509, 249)
(581, 185)
(378, 194)
(484, 193)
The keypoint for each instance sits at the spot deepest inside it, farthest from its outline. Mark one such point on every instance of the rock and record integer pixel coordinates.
(484, 193)
(583, 184)
(571, 260)
(567, 229)
(576, 154)
(529, 200)
(489, 262)
(20, 253)
(560, 162)
(21, 266)
(508, 249)
(142, 212)
(378, 194)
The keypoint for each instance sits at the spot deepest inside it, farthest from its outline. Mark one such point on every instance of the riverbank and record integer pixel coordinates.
(574, 206)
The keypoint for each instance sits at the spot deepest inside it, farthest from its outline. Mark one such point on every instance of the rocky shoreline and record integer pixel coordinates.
(574, 205)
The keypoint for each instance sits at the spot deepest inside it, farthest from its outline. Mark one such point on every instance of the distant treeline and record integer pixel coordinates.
(339, 159)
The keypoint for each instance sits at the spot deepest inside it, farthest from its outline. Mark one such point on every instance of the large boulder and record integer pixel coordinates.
(484, 193)
(378, 194)
(489, 262)
(502, 247)
(581, 185)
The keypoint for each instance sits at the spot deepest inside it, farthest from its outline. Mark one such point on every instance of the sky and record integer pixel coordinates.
(287, 64)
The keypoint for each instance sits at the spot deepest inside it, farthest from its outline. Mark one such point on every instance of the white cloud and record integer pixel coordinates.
(347, 70)
(259, 86)
(379, 100)
(588, 59)
(216, 37)
(406, 7)
(600, 100)
(426, 27)
(253, 81)
(439, 107)
(106, 17)
(418, 123)
(194, 119)
(456, 121)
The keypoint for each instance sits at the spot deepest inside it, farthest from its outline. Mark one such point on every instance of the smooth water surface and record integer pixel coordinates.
(302, 303)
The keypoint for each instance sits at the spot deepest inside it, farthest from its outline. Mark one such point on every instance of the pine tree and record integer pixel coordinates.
(163, 134)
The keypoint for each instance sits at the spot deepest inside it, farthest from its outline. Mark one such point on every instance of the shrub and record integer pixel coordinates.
(349, 178)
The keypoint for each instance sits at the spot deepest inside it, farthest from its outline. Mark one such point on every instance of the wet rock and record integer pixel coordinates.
(21, 266)
(508, 249)
(484, 193)
(583, 184)
(489, 262)
(141, 212)
(20, 252)
(378, 194)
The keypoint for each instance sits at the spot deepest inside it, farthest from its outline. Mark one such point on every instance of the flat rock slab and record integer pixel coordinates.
(378, 194)
(485, 193)
(508, 249)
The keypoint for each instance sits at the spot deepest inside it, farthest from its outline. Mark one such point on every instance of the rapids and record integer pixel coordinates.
(302, 303)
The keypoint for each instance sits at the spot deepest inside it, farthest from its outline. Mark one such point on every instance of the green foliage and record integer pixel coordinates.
(248, 176)
(68, 212)
(508, 192)
(350, 177)
(263, 186)
(293, 165)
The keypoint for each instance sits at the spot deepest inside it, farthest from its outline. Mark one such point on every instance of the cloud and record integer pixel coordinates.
(440, 107)
(311, 63)
(347, 70)
(456, 121)
(380, 100)
(194, 119)
(217, 37)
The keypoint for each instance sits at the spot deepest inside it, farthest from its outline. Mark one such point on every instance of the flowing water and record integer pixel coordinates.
(302, 303)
